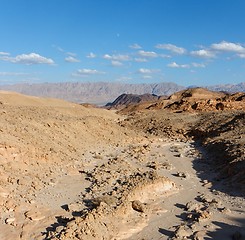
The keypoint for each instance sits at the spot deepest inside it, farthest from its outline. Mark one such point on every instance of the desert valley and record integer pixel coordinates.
(122, 120)
(143, 167)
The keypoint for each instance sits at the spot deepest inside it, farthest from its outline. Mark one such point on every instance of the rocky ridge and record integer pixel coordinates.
(125, 100)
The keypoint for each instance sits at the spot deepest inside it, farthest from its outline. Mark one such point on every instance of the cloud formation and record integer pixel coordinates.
(91, 55)
(86, 72)
(198, 65)
(28, 59)
(140, 60)
(228, 47)
(71, 54)
(71, 59)
(241, 55)
(145, 54)
(135, 46)
(118, 57)
(4, 54)
(172, 48)
(116, 63)
(203, 53)
(176, 65)
(147, 71)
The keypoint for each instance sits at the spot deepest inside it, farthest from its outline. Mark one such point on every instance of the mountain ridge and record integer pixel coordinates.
(103, 92)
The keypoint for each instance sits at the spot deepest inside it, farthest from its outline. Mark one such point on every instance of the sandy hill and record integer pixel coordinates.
(33, 121)
(17, 99)
(196, 93)
(41, 142)
(200, 99)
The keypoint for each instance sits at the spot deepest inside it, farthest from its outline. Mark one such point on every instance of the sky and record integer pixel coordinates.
(188, 42)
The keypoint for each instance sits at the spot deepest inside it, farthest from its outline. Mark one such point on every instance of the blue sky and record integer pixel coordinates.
(189, 42)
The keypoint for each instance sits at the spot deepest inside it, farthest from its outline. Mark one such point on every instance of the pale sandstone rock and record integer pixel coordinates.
(138, 206)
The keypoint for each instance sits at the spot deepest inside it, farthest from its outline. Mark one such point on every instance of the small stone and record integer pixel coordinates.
(191, 206)
(9, 220)
(181, 232)
(167, 166)
(109, 200)
(199, 235)
(208, 184)
(225, 210)
(204, 215)
(205, 199)
(181, 174)
(34, 215)
(153, 165)
(74, 207)
(178, 155)
(59, 229)
(138, 206)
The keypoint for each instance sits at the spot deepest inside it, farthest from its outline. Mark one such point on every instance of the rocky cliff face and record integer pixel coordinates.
(128, 99)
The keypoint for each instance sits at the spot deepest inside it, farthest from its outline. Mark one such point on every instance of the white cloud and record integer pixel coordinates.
(91, 55)
(71, 59)
(145, 54)
(141, 60)
(116, 63)
(198, 65)
(28, 59)
(4, 54)
(71, 54)
(32, 58)
(176, 65)
(241, 55)
(135, 46)
(172, 48)
(147, 71)
(228, 47)
(164, 56)
(203, 53)
(86, 72)
(118, 57)
(144, 71)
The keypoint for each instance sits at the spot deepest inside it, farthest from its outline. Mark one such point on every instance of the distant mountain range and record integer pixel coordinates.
(98, 92)
(103, 92)
(231, 88)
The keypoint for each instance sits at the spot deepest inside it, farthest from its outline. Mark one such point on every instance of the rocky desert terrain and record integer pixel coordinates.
(167, 169)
